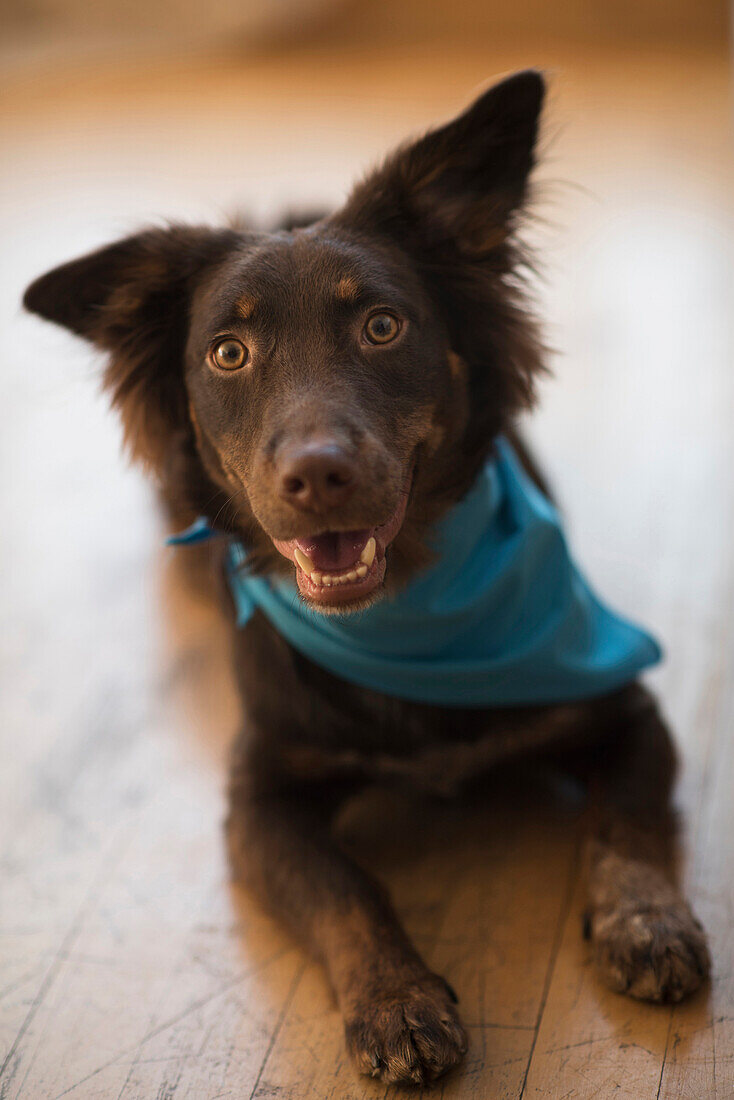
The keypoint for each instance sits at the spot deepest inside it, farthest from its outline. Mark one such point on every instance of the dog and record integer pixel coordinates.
(334, 399)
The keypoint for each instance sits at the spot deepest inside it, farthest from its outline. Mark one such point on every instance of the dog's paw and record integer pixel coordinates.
(646, 941)
(410, 1034)
(650, 951)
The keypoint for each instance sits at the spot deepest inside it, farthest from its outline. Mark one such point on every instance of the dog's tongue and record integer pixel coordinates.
(335, 550)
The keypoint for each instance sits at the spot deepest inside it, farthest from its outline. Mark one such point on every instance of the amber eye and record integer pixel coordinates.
(229, 354)
(381, 328)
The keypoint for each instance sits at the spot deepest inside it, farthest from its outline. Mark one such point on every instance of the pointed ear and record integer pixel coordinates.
(132, 299)
(451, 202)
(458, 186)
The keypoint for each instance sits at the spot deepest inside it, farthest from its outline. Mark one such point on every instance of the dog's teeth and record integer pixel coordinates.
(327, 580)
(368, 554)
(304, 561)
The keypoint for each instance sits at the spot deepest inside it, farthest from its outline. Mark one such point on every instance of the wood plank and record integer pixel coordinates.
(700, 1051)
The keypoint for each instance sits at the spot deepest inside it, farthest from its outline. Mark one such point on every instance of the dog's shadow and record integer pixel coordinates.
(480, 880)
(197, 677)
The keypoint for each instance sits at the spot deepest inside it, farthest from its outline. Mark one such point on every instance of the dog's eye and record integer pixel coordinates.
(381, 328)
(229, 354)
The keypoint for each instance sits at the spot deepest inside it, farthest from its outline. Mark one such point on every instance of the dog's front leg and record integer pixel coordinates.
(400, 1019)
(646, 940)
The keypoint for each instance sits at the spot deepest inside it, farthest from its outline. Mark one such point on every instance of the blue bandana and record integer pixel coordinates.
(502, 618)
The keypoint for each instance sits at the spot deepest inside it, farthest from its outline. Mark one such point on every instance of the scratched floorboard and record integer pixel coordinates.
(129, 967)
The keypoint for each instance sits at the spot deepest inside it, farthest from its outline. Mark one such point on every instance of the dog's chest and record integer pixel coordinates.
(319, 727)
(472, 744)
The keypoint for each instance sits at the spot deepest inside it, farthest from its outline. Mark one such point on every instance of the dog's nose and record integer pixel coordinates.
(316, 476)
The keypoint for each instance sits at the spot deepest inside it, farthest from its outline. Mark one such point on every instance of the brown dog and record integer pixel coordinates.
(325, 393)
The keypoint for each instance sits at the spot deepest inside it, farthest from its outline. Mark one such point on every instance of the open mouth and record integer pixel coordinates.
(335, 568)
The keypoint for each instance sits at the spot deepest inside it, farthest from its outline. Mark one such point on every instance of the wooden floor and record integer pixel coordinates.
(129, 968)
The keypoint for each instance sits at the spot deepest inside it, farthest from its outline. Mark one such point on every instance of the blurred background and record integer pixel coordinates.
(128, 967)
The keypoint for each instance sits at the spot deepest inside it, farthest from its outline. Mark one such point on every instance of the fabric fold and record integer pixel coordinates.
(502, 618)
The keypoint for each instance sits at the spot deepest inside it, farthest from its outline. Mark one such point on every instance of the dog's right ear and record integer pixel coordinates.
(452, 201)
(132, 299)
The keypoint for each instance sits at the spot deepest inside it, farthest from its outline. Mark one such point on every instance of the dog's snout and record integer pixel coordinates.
(316, 476)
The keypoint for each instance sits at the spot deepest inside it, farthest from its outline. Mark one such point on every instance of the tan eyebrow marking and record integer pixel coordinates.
(246, 306)
(347, 289)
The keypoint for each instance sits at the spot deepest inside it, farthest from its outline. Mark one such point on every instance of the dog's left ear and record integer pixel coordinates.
(458, 187)
(132, 299)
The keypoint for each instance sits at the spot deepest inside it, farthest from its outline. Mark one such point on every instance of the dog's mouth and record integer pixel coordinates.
(337, 568)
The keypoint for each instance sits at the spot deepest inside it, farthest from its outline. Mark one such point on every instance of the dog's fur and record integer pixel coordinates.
(431, 235)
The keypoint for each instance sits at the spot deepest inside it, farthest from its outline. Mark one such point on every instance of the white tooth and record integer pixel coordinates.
(362, 570)
(368, 554)
(316, 578)
(327, 579)
(352, 576)
(303, 560)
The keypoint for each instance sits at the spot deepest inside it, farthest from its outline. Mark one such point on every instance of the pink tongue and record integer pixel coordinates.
(334, 550)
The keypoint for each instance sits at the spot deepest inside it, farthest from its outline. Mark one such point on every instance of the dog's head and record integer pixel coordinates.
(326, 391)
